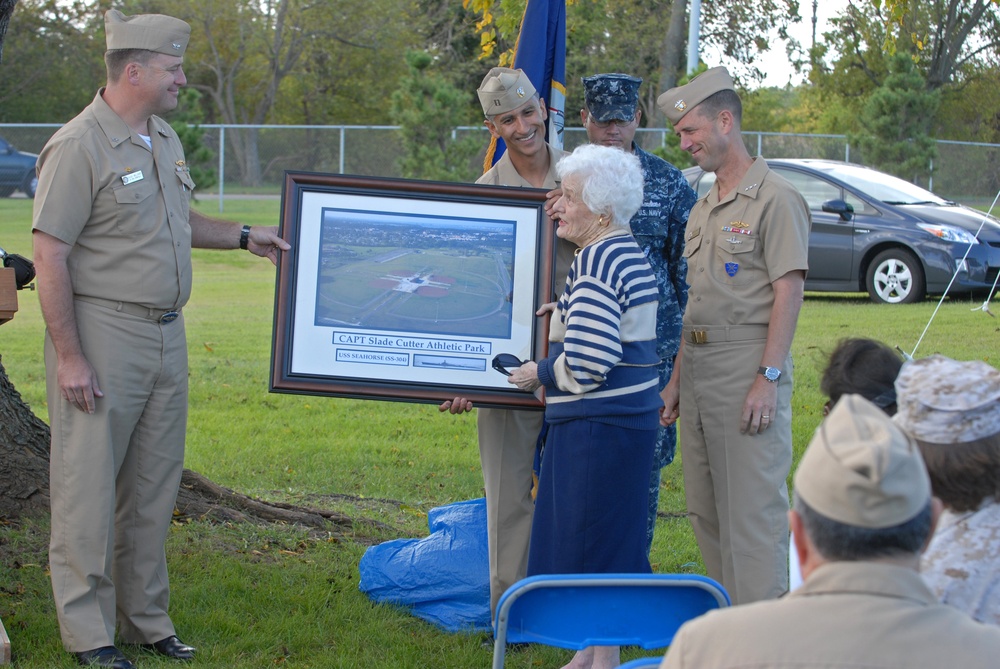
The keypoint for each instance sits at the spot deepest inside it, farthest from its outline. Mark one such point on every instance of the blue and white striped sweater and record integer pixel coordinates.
(602, 339)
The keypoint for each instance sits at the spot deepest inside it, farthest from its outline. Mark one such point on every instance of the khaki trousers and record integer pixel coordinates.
(737, 498)
(507, 441)
(114, 479)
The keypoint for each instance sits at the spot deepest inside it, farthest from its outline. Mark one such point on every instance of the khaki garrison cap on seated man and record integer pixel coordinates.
(952, 409)
(503, 90)
(863, 512)
(153, 32)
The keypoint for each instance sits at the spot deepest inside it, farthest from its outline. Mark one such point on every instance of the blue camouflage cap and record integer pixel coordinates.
(611, 96)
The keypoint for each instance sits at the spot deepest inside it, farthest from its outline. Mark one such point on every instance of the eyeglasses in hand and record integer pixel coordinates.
(505, 363)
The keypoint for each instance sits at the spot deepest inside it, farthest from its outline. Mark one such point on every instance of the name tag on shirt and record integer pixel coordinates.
(130, 178)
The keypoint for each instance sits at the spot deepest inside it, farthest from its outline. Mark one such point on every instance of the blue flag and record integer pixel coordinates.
(540, 51)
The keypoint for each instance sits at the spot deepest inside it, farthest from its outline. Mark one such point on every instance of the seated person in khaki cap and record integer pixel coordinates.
(952, 409)
(863, 514)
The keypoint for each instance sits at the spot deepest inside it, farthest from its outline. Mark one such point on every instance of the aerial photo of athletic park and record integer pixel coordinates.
(415, 273)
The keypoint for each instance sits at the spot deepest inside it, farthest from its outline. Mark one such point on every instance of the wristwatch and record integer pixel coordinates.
(772, 374)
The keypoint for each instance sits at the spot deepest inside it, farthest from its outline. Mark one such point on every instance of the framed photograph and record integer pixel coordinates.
(407, 290)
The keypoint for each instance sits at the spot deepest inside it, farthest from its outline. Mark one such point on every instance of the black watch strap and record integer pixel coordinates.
(244, 237)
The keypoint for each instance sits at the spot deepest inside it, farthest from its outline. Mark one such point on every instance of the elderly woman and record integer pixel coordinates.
(952, 409)
(601, 384)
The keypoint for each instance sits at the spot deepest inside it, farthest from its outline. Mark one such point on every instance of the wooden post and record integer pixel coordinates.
(8, 294)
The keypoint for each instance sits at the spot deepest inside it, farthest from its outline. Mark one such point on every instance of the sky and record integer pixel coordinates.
(775, 64)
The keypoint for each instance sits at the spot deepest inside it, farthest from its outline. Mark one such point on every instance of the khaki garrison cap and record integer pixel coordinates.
(678, 101)
(152, 32)
(943, 401)
(860, 469)
(504, 90)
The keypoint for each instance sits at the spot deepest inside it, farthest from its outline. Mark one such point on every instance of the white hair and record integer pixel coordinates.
(610, 180)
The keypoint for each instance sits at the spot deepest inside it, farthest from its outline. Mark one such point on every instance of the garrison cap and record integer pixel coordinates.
(611, 96)
(152, 32)
(504, 90)
(944, 401)
(860, 469)
(677, 102)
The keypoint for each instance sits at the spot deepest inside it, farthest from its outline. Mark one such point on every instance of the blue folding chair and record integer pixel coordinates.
(578, 610)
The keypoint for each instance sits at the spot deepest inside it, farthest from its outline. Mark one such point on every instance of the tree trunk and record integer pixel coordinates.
(24, 480)
(674, 47)
(24, 454)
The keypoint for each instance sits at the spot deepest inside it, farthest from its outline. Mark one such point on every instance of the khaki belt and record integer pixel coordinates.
(725, 333)
(163, 316)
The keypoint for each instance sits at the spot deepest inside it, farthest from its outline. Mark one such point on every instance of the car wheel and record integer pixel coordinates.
(30, 184)
(895, 276)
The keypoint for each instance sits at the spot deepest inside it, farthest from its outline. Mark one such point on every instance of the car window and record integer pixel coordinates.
(705, 183)
(816, 191)
(882, 186)
(857, 204)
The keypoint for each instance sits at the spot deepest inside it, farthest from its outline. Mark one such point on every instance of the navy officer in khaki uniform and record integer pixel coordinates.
(863, 514)
(113, 232)
(507, 438)
(746, 245)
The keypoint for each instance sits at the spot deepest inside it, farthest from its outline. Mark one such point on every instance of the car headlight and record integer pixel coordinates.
(949, 233)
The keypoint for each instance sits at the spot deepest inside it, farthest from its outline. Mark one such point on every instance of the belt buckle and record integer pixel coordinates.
(168, 317)
(699, 336)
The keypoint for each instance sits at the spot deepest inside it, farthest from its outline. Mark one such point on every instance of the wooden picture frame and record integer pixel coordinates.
(405, 290)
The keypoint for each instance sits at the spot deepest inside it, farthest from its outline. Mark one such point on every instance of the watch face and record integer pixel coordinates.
(772, 374)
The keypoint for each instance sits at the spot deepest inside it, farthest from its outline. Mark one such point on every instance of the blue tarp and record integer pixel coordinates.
(443, 578)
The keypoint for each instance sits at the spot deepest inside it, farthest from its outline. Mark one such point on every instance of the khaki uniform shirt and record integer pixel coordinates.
(123, 207)
(847, 615)
(738, 246)
(504, 174)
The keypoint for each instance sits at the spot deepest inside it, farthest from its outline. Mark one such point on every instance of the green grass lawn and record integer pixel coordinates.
(280, 596)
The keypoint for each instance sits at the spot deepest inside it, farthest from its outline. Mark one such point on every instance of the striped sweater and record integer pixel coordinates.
(602, 339)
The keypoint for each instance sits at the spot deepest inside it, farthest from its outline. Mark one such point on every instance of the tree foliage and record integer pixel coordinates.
(53, 61)
(897, 13)
(427, 109)
(896, 121)
(646, 39)
(185, 122)
(952, 41)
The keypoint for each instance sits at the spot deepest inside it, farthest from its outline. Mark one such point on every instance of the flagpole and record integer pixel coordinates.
(694, 31)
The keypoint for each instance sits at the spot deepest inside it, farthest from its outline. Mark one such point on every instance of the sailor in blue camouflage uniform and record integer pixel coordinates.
(611, 117)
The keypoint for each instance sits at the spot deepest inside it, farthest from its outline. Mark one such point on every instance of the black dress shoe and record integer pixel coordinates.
(172, 647)
(105, 656)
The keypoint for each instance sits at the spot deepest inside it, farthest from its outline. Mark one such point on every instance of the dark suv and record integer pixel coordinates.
(17, 170)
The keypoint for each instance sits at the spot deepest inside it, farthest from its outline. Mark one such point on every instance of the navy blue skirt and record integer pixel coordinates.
(592, 503)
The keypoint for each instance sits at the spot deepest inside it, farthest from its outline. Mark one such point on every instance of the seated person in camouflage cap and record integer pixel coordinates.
(863, 514)
(952, 409)
(611, 116)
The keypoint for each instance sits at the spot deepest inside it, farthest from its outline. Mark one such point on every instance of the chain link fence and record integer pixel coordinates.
(253, 159)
